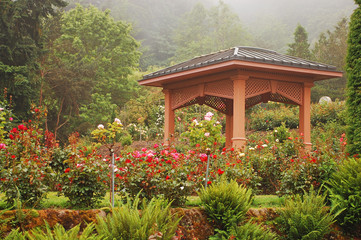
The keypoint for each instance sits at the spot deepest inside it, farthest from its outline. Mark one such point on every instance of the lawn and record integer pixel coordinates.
(54, 201)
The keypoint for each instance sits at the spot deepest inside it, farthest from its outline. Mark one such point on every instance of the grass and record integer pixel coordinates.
(55, 201)
(260, 201)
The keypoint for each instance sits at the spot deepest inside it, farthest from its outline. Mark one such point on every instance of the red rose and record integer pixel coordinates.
(220, 172)
(67, 170)
(167, 177)
(36, 110)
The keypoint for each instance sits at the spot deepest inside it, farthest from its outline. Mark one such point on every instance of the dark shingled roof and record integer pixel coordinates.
(250, 54)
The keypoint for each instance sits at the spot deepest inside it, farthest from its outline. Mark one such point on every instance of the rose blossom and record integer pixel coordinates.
(117, 120)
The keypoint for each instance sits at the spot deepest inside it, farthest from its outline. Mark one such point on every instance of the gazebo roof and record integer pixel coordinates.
(250, 58)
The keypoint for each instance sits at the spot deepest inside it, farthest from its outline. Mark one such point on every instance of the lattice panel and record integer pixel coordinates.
(250, 102)
(223, 105)
(183, 95)
(220, 89)
(276, 97)
(293, 91)
(257, 86)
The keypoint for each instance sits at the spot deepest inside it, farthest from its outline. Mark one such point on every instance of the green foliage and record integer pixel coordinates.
(59, 233)
(306, 216)
(274, 114)
(226, 203)
(203, 31)
(99, 110)
(345, 193)
(331, 48)
(353, 69)
(20, 45)
(139, 220)
(89, 61)
(300, 48)
(248, 230)
(281, 133)
(207, 134)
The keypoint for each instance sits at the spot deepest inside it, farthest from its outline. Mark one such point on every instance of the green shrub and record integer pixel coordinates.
(248, 230)
(345, 192)
(226, 202)
(306, 217)
(281, 133)
(59, 233)
(128, 222)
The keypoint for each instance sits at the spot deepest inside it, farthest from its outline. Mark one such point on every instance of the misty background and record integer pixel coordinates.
(268, 23)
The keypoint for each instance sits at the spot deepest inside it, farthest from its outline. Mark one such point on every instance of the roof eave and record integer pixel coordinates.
(316, 74)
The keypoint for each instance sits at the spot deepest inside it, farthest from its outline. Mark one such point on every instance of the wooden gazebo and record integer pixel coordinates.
(233, 80)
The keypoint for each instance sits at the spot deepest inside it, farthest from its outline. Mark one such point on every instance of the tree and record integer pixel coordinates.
(20, 45)
(331, 48)
(300, 47)
(203, 31)
(353, 68)
(93, 53)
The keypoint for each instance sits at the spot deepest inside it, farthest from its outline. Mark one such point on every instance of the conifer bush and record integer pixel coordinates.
(353, 68)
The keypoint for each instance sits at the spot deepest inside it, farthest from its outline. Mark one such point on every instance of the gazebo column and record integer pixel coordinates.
(168, 118)
(229, 130)
(239, 112)
(305, 115)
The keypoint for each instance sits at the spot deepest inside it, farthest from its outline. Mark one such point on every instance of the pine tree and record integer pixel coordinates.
(353, 68)
(300, 47)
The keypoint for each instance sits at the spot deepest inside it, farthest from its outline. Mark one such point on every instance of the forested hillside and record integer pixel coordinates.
(78, 60)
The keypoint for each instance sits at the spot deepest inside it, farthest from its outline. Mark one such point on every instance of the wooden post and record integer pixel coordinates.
(229, 130)
(239, 111)
(168, 118)
(305, 115)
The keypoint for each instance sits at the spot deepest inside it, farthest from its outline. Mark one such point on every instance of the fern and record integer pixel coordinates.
(127, 222)
(15, 235)
(226, 203)
(246, 231)
(59, 233)
(306, 217)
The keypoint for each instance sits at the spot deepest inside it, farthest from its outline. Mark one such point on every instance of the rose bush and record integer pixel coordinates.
(206, 134)
(85, 180)
(24, 159)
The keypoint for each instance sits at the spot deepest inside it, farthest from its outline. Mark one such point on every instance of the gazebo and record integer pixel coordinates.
(236, 79)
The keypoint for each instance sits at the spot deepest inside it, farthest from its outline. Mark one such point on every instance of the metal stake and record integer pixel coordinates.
(112, 177)
(207, 172)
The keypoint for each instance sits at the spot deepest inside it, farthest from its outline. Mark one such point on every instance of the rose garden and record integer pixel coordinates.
(317, 189)
(99, 142)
